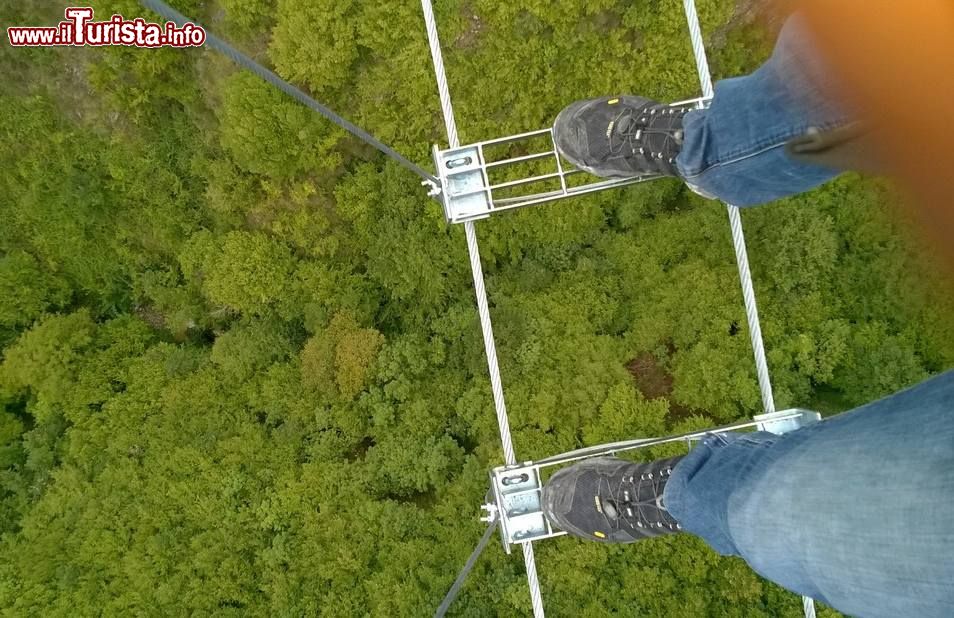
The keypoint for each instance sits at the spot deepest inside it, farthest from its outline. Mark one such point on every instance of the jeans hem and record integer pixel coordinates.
(761, 148)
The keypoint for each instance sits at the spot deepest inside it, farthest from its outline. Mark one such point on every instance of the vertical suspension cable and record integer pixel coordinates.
(735, 220)
(808, 607)
(473, 249)
(536, 599)
(698, 48)
(450, 122)
(490, 347)
(483, 308)
(738, 240)
(751, 310)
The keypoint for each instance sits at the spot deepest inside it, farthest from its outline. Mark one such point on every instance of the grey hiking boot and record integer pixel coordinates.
(611, 500)
(621, 136)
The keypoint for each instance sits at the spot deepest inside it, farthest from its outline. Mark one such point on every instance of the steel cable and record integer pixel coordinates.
(272, 78)
(483, 308)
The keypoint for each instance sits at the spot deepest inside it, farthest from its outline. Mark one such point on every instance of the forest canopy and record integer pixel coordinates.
(241, 368)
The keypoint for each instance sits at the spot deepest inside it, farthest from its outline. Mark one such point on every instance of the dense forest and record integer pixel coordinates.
(242, 373)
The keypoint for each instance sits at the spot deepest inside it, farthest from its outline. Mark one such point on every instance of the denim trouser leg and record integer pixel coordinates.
(735, 149)
(856, 511)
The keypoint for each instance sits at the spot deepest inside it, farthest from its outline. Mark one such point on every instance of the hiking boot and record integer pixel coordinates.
(621, 136)
(611, 500)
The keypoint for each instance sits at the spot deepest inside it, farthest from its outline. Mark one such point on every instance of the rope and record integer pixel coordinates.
(455, 589)
(483, 308)
(244, 61)
(738, 239)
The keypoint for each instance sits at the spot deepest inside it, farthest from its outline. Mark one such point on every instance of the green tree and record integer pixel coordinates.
(241, 373)
(27, 291)
(249, 347)
(339, 358)
(248, 272)
(268, 133)
(45, 360)
(314, 43)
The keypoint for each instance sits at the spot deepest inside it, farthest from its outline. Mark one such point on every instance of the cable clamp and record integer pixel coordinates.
(491, 515)
(434, 189)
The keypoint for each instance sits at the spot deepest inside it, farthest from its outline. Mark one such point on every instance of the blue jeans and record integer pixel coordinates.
(735, 149)
(856, 510)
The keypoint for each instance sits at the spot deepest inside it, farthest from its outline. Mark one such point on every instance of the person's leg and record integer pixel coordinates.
(856, 511)
(735, 149)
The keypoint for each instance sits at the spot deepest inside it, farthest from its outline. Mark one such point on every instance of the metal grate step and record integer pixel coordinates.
(484, 178)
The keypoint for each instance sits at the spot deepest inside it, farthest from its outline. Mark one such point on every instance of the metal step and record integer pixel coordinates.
(516, 489)
(485, 178)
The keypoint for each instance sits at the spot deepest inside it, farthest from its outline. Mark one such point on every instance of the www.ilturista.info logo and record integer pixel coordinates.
(79, 29)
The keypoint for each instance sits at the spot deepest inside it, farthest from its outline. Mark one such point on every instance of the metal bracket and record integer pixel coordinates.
(784, 422)
(517, 489)
(518, 503)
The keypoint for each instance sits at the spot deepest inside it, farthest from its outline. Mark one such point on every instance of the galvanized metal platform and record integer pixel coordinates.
(498, 175)
(516, 489)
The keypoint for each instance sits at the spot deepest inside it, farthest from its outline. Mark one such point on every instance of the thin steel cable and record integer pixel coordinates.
(483, 309)
(738, 239)
(459, 582)
(246, 62)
